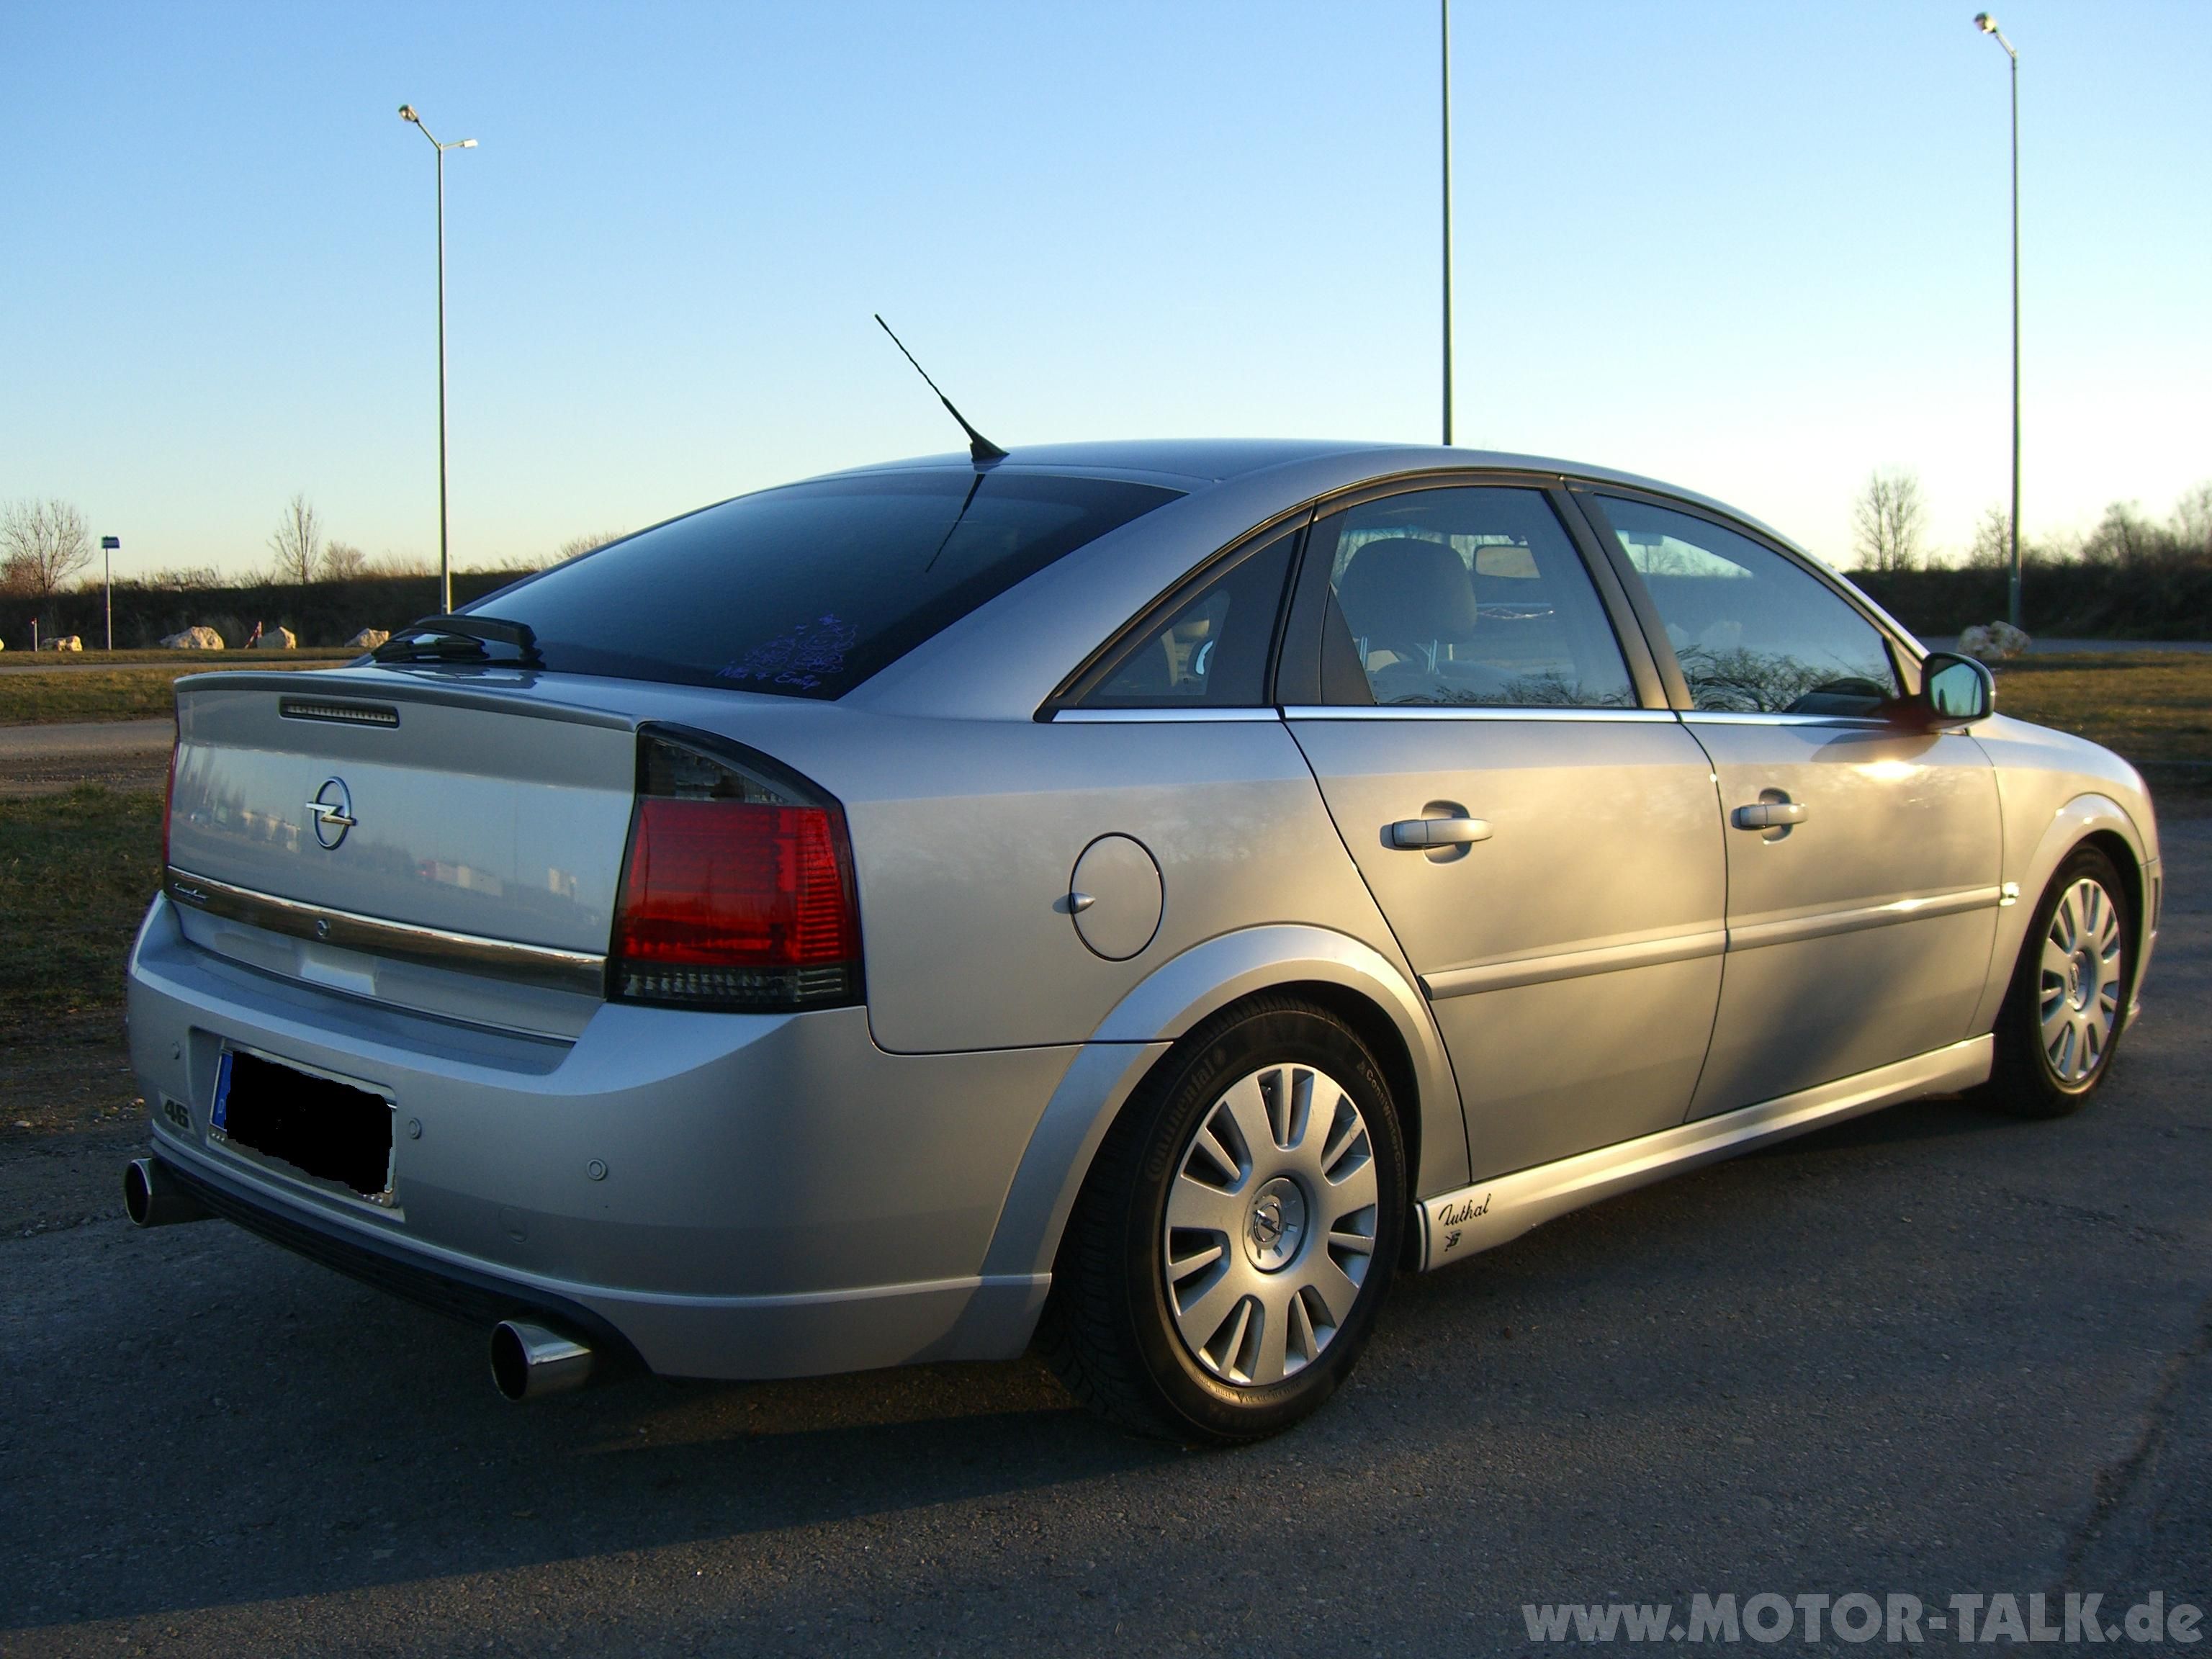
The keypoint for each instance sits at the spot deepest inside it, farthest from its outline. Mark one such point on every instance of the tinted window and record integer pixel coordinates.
(806, 591)
(1470, 597)
(1753, 632)
(1212, 653)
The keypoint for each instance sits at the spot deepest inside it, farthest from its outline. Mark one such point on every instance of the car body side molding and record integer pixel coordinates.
(1458, 1224)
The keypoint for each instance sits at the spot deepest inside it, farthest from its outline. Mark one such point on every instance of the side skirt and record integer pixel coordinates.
(1457, 1224)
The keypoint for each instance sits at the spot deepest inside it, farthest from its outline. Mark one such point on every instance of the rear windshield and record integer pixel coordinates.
(806, 591)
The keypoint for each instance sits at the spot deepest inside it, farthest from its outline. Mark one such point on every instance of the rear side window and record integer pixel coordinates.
(1212, 651)
(1754, 633)
(808, 589)
(1472, 596)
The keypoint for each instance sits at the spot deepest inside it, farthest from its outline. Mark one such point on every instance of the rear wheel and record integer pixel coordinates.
(1239, 1229)
(2063, 1016)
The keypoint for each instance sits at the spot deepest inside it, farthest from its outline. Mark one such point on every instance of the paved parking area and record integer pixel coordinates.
(1931, 1352)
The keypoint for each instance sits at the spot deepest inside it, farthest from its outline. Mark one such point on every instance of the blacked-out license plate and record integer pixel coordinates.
(322, 1128)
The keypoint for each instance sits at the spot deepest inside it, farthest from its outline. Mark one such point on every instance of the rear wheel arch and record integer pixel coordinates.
(1334, 972)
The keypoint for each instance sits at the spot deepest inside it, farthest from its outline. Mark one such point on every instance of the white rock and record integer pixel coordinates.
(1993, 642)
(368, 640)
(277, 639)
(194, 639)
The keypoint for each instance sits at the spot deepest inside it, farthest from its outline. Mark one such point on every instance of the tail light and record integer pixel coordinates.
(738, 888)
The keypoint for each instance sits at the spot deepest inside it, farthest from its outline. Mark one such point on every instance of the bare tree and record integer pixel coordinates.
(298, 542)
(1888, 521)
(2192, 521)
(576, 546)
(42, 545)
(342, 562)
(1992, 544)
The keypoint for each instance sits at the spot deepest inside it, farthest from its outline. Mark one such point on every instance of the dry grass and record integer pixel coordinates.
(77, 872)
(2154, 707)
(130, 693)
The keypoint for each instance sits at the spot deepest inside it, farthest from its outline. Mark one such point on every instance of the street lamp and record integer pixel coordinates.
(1445, 6)
(445, 561)
(109, 546)
(1988, 25)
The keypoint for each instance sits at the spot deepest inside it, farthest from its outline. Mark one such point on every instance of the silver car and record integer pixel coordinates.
(1134, 899)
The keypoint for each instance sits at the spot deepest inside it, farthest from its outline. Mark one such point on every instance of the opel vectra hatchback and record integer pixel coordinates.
(1134, 898)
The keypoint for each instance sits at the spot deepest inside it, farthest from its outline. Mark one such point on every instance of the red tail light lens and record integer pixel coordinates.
(738, 891)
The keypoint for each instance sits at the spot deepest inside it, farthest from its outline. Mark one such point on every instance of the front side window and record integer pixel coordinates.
(808, 589)
(1212, 651)
(1471, 597)
(1755, 633)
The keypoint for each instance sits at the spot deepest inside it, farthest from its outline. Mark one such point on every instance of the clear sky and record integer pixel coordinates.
(1755, 249)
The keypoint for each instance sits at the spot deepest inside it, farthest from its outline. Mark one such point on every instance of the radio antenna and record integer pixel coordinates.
(981, 449)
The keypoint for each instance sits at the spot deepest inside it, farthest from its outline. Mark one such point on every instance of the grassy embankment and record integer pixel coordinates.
(2154, 707)
(76, 869)
(136, 689)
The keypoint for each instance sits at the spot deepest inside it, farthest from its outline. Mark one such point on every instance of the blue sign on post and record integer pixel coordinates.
(109, 545)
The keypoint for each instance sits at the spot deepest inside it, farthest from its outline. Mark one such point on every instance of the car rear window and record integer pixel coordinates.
(807, 590)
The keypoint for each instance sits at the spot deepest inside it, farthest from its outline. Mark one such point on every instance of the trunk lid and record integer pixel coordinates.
(494, 815)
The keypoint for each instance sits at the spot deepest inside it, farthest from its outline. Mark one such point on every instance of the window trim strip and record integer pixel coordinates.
(1353, 711)
(1160, 716)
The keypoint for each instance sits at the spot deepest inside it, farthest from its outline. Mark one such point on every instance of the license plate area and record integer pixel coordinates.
(333, 1131)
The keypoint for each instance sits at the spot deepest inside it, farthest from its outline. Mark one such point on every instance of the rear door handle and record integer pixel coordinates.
(1439, 832)
(1769, 815)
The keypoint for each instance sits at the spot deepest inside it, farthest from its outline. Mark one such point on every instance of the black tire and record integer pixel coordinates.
(2027, 1079)
(1110, 1325)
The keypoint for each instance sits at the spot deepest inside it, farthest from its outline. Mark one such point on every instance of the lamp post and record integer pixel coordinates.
(109, 546)
(1988, 25)
(1445, 6)
(445, 560)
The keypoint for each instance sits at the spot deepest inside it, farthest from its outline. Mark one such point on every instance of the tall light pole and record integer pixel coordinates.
(109, 546)
(1445, 6)
(1988, 25)
(445, 559)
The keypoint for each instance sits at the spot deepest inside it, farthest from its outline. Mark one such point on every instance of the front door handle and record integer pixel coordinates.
(1769, 815)
(1439, 832)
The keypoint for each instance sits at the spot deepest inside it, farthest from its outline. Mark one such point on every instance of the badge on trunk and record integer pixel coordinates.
(332, 808)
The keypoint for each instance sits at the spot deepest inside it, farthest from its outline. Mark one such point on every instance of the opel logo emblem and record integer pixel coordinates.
(1267, 1222)
(333, 811)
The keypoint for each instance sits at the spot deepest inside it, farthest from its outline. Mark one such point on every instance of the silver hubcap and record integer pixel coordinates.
(2079, 1002)
(1270, 1225)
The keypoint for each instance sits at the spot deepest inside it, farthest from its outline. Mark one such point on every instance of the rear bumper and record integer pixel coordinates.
(774, 1195)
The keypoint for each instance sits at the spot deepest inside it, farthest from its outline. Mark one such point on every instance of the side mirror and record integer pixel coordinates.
(1955, 690)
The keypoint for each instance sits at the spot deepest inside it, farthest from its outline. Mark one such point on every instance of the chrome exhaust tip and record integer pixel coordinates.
(529, 1361)
(152, 1197)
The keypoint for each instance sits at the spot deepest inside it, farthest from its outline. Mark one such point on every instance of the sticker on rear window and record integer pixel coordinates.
(803, 656)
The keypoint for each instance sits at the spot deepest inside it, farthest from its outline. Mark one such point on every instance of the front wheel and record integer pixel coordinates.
(2063, 1016)
(1239, 1229)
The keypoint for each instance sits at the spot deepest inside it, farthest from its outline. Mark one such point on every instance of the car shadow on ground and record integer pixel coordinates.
(339, 1439)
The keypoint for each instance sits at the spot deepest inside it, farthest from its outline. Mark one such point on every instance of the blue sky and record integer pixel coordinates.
(1755, 249)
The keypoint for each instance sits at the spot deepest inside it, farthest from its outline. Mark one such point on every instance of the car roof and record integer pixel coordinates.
(1188, 464)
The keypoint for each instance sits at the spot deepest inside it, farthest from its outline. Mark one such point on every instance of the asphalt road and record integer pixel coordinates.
(1933, 1353)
